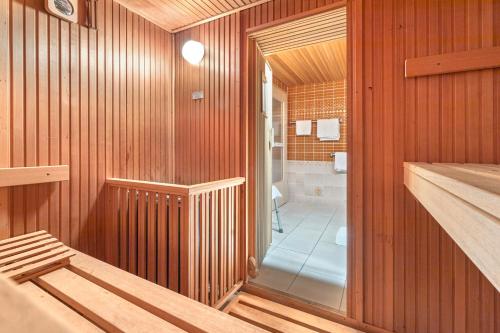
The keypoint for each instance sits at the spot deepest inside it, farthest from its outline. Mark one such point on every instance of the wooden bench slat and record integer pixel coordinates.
(22, 237)
(25, 242)
(56, 307)
(266, 321)
(28, 247)
(109, 311)
(177, 309)
(290, 314)
(28, 254)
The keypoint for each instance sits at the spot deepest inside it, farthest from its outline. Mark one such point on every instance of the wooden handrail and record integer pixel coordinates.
(176, 188)
(149, 186)
(215, 185)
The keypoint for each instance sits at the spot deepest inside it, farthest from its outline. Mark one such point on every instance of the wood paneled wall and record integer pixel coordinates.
(415, 278)
(411, 277)
(98, 100)
(208, 131)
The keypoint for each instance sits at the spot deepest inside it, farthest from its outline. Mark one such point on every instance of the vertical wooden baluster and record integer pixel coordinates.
(151, 256)
(230, 234)
(173, 243)
(236, 234)
(186, 249)
(132, 236)
(112, 243)
(123, 228)
(203, 248)
(162, 240)
(206, 237)
(223, 243)
(196, 244)
(141, 235)
(214, 256)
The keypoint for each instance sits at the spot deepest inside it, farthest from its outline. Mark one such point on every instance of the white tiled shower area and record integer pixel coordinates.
(308, 260)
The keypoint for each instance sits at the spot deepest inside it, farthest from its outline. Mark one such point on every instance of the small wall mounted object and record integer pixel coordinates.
(64, 9)
(197, 95)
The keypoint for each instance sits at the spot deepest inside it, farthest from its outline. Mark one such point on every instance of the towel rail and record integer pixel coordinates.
(293, 122)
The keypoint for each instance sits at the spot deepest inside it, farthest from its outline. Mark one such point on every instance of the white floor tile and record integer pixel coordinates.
(318, 288)
(330, 233)
(279, 269)
(304, 260)
(328, 259)
(277, 238)
(301, 240)
(285, 260)
(315, 221)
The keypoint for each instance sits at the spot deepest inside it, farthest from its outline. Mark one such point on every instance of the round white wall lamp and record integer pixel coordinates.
(193, 52)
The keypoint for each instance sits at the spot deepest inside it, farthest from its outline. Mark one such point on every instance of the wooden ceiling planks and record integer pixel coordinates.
(323, 27)
(174, 15)
(323, 62)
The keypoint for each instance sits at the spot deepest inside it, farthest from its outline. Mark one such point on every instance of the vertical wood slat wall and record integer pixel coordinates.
(98, 100)
(209, 136)
(414, 278)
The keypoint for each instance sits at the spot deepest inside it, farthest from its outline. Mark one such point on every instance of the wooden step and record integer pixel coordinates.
(277, 317)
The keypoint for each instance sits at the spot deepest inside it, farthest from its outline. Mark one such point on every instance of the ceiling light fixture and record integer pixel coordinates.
(193, 52)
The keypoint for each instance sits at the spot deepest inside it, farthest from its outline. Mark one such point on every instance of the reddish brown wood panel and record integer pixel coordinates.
(86, 98)
(208, 131)
(407, 274)
(415, 278)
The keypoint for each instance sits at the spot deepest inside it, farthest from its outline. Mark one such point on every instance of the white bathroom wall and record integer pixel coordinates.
(316, 181)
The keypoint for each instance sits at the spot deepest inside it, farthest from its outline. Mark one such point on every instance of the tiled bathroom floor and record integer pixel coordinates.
(304, 260)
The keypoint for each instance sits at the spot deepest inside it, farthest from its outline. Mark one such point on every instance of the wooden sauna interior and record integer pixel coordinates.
(126, 204)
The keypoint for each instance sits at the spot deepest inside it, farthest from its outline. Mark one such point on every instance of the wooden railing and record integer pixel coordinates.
(185, 238)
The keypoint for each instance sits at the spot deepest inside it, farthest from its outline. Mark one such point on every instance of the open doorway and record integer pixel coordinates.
(301, 153)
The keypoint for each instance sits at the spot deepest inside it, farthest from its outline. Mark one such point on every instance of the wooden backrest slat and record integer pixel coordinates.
(28, 247)
(24, 242)
(22, 237)
(33, 258)
(39, 266)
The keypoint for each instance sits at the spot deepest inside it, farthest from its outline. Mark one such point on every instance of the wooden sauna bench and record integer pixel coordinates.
(88, 295)
(465, 200)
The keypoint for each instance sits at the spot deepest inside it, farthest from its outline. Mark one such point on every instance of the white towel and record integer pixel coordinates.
(303, 127)
(328, 129)
(341, 161)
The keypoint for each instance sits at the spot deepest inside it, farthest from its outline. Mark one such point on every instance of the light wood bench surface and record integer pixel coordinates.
(465, 200)
(88, 295)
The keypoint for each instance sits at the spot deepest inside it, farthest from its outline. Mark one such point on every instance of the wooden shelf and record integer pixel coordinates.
(33, 175)
(465, 201)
